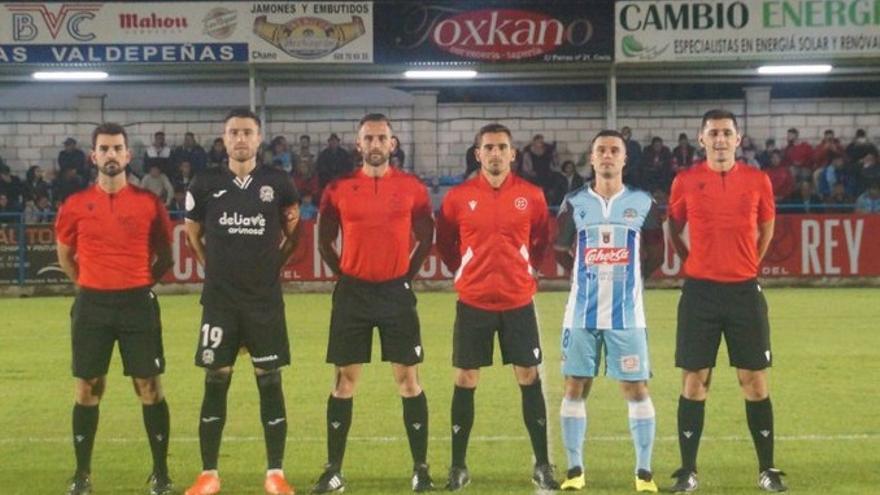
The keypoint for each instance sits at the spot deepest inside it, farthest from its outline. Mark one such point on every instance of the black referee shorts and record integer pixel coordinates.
(101, 318)
(738, 311)
(358, 307)
(474, 335)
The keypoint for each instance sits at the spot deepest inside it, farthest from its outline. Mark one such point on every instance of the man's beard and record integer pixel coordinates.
(494, 168)
(111, 169)
(242, 155)
(375, 159)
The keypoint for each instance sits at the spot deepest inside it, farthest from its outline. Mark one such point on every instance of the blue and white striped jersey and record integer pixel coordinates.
(606, 281)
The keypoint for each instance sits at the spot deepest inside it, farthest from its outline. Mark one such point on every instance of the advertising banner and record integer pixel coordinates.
(803, 246)
(483, 31)
(186, 32)
(765, 30)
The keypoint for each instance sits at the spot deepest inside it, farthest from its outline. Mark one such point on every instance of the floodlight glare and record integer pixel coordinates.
(440, 74)
(786, 70)
(70, 76)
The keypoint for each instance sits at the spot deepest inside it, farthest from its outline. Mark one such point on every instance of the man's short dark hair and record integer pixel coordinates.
(110, 129)
(242, 113)
(793, 131)
(492, 129)
(718, 114)
(608, 133)
(159, 133)
(861, 133)
(374, 117)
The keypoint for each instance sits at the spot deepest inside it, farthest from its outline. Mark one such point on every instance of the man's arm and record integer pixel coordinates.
(67, 260)
(566, 232)
(163, 262)
(765, 235)
(328, 230)
(675, 231)
(423, 229)
(194, 232)
(291, 229)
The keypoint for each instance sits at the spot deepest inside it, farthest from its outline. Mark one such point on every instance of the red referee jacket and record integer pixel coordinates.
(493, 239)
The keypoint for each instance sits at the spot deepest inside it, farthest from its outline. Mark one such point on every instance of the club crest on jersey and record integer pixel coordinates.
(521, 203)
(630, 214)
(267, 194)
(472, 204)
(207, 356)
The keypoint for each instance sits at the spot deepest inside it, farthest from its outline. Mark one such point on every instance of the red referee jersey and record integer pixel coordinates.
(376, 215)
(494, 239)
(114, 236)
(722, 211)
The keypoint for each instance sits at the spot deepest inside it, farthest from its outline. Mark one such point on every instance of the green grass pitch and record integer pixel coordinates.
(823, 386)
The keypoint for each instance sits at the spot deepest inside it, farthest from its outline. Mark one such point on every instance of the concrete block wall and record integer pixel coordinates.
(34, 137)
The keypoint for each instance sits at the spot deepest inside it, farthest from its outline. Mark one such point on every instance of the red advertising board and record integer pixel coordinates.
(803, 246)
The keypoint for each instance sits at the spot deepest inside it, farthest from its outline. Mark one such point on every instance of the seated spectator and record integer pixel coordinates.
(470, 157)
(177, 207)
(572, 179)
(39, 210)
(839, 201)
(73, 157)
(68, 183)
(305, 181)
(185, 176)
(398, 156)
(35, 183)
(12, 187)
(828, 148)
(157, 183)
(307, 209)
(683, 154)
(859, 147)
(749, 157)
(190, 152)
(8, 213)
(764, 156)
(804, 200)
(159, 154)
(798, 155)
(304, 153)
(656, 168)
(869, 201)
(780, 177)
(869, 171)
(631, 171)
(279, 155)
(334, 161)
(834, 173)
(538, 160)
(217, 156)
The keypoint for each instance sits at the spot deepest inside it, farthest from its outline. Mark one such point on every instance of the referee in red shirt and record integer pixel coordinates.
(493, 231)
(114, 242)
(378, 208)
(729, 210)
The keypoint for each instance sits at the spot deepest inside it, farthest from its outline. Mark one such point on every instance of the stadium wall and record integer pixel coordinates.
(435, 135)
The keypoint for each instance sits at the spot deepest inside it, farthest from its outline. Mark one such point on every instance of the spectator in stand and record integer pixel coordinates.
(780, 177)
(12, 187)
(279, 155)
(307, 209)
(192, 152)
(398, 156)
(8, 213)
(305, 180)
(73, 157)
(764, 156)
(859, 147)
(869, 171)
(539, 159)
(749, 157)
(217, 156)
(633, 157)
(656, 168)
(839, 201)
(804, 200)
(39, 210)
(572, 179)
(869, 201)
(35, 184)
(834, 173)
(555, 188)
(185, 175)
(798, 155)
(472, 164)
(177, 207)
(828, 148)
(159, 154)
(304, 153)
(683, 154)
(334, 161)
(158, 183)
